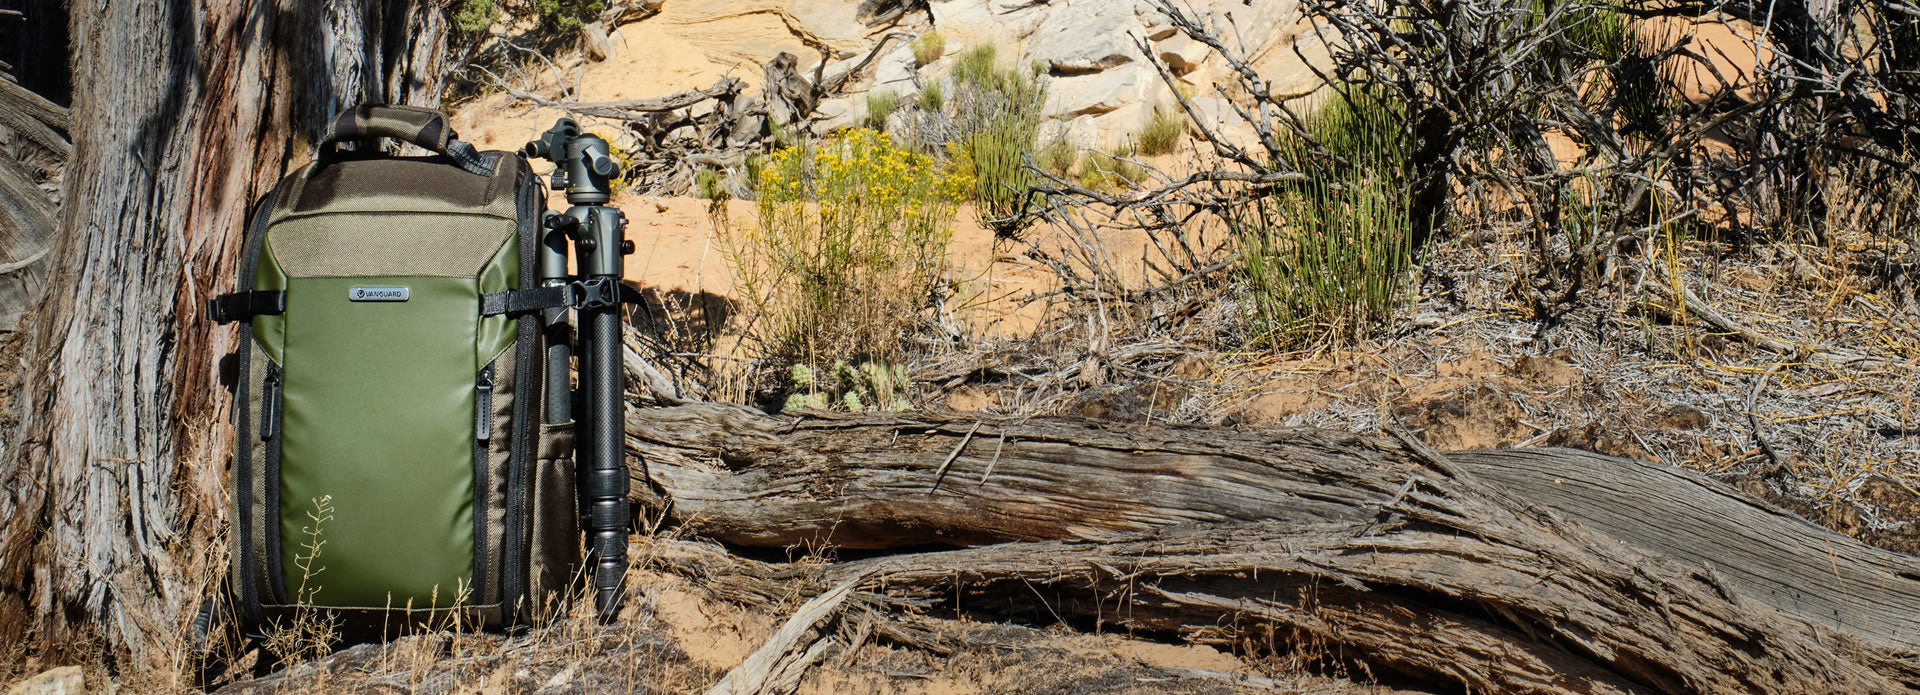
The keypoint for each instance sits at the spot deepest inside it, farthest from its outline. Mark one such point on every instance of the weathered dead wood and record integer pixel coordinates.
(1773, 556)
(1447, 590)
(636, 109)
(27, 208)
(735, 475)
(1433, 595)
(675, 136)
(778, 665)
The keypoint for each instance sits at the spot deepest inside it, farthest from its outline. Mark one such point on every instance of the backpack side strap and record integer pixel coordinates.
(240, 306)
(580, 294)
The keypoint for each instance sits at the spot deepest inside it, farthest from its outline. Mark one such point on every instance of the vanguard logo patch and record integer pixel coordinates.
(377, 294)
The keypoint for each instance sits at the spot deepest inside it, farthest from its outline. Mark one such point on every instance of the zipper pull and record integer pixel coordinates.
(483, 404)
(270, 402)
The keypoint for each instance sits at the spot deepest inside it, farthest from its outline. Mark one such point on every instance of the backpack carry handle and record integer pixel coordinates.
(424, 127)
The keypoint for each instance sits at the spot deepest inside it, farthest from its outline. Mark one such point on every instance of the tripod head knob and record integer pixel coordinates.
(552, 145)
(583, 162)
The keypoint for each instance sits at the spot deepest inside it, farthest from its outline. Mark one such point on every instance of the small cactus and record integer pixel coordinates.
(856, 387)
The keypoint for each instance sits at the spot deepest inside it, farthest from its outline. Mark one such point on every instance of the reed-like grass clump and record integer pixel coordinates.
(1327, 259)
(996, 115)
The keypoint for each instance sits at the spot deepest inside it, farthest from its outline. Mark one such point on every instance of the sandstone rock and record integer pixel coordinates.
(1219, 117)
(962, 21)
(1086, 36)
(1120, 125)
(1101, 92)
(1005, 7)
(66, 680)
(1079, 132)
(1017, 19)
(836, 22)
(896, 69)
(1182, 54)
(836, 114)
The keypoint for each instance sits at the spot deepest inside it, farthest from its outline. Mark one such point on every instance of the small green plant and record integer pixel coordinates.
(1162, 132)
(1057, 157)
(996, 114)
(310, 633)
(862, 386)
(475, 16)
(849, 247)
(709, 185)
(880, 105)
(1111, 170)
(928, 48)
(566, 15)
(1325, 261)
(933, 98)
(977, 65)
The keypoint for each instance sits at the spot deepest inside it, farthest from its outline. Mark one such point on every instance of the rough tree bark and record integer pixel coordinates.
(183, 112)
(1555, 570)
(38, 130)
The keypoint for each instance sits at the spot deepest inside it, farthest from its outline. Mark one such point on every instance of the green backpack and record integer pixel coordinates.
(392, 469)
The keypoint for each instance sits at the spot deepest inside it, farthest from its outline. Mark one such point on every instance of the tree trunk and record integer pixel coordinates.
(183, 112)
(33, 132)
(1552, 569)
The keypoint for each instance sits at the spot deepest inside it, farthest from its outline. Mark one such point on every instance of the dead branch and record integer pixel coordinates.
(735, 475)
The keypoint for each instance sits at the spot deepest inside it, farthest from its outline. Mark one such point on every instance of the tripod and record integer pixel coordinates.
(584, 166)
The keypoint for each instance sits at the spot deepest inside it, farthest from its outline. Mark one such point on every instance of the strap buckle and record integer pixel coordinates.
(593, 293)
(241, 306)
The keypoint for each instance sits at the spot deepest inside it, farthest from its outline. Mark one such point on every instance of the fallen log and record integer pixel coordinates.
(1551, 569)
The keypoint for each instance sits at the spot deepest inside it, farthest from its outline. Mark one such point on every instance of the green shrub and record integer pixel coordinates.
(1327, 260)
(1058, 157)
(475, 16)
(709, 186)
(848, 250)
(880, 105)
(996, 119)
(566, 15)
(1162, 132)
(1111, 170)
(933, 99)
(977, 64)
(929, 48)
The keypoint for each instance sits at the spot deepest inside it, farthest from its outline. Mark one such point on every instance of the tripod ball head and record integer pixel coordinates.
(584, 162)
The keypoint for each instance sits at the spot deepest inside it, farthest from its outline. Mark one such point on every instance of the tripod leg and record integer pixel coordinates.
(605, 484)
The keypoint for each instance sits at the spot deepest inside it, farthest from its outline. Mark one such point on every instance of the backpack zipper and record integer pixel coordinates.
(270, 403)
(483, 404)
(482, 433)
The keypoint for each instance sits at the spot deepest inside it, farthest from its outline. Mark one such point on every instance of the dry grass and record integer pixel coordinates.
(928, 48)
(1162, 132)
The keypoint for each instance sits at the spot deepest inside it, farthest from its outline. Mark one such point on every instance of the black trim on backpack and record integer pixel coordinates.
(517, 550)
(246, 567)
